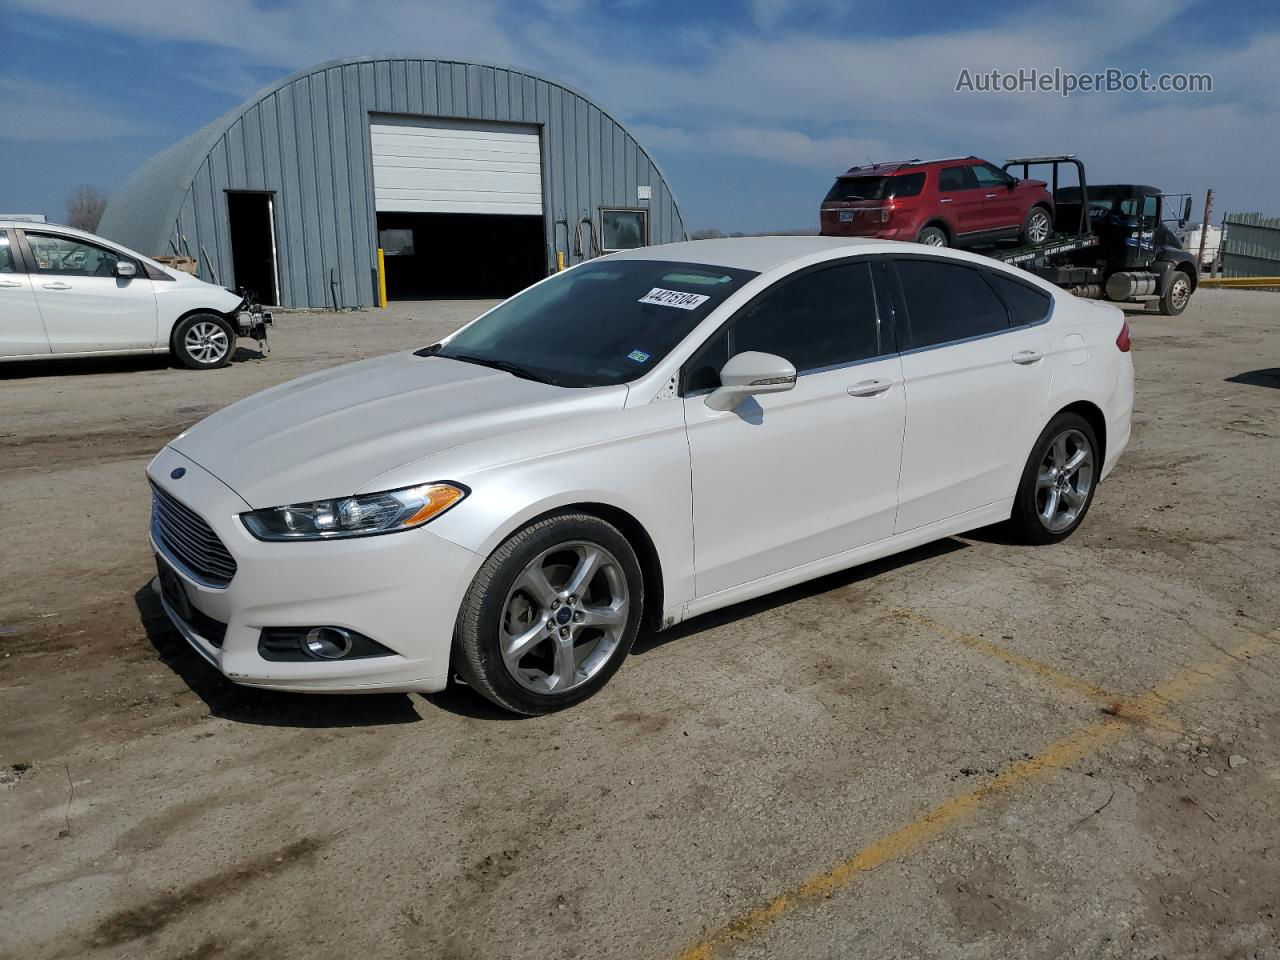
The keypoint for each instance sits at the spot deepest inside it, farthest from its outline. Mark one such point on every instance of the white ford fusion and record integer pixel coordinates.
(643, 438)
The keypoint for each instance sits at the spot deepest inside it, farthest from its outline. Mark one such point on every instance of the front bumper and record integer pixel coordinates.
(402, 590)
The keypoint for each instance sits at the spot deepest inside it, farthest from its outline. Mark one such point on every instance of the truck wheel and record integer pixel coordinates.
(1036, 228)
(203, 341)
(932, 237)
(1178, 295)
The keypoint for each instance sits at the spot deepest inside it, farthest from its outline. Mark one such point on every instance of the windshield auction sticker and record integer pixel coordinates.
(674, 298)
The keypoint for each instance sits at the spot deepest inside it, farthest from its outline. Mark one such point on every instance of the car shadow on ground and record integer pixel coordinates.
(83, 366)
(266, 707)
(1269, 377)
(650, 640)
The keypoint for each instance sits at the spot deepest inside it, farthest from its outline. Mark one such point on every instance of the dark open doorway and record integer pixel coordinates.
(463, 255)
(253, 244)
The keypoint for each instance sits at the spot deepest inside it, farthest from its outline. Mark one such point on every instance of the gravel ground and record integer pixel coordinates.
(973, 750)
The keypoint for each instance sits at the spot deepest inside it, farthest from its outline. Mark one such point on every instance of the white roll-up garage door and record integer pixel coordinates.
(455, 166)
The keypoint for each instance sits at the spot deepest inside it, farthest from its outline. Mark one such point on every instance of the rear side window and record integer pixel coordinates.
(1026, 304)
(956, 178)
(877, 188)
(947, 302)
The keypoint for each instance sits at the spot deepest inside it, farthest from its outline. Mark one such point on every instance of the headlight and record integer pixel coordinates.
(358, 516)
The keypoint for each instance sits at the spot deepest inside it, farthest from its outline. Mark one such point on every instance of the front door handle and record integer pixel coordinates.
(59, 285)
(991, 196)
(869, 388)
(945, 199)
(1027, 356)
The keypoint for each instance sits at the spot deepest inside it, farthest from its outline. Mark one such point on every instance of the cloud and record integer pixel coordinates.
(42, 112)
(777, 145)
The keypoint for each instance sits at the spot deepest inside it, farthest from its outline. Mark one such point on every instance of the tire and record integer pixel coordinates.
(1032, 520)
(1178, 295)
(203, 341)
(540, 621)
(933, 237)
(1036, 227)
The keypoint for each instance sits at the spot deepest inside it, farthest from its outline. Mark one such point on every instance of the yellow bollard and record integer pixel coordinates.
(382, 278)
(559, 261)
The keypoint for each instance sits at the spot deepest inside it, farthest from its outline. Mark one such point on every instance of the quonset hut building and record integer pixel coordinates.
(475, 180)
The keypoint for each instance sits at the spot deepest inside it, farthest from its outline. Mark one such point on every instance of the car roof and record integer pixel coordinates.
(746, 253)
(890, 167)
(46, 225)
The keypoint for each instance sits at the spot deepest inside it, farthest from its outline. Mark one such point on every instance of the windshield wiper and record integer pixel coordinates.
(505, 366)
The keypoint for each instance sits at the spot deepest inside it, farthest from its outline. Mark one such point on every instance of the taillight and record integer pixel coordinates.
(885, 211)
(1122, 341)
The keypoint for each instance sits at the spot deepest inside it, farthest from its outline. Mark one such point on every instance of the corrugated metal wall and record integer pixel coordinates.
(307, 140)
(1250, 245)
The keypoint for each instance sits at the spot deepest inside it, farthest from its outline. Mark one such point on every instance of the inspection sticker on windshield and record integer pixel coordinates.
(675, 298)
(639, 356)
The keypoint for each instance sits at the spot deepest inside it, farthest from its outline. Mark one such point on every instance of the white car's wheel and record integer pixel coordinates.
(551, 615)
(1058, 481)
(203, 341)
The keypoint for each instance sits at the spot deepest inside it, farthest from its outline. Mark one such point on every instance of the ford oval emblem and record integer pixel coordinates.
(177, 473)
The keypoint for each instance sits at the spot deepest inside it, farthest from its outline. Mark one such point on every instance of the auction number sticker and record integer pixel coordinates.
(674, 298)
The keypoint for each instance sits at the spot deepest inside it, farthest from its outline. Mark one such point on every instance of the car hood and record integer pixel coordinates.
(331, 434)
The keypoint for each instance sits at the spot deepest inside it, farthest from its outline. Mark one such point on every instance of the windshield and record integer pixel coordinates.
(876, 188)
(603, 323)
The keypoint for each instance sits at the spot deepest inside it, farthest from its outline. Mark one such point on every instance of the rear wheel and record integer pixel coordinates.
(1058, 481)
(1177, 296)
(551, 615)
(1035, 229)
(932, 237)
(203, 341)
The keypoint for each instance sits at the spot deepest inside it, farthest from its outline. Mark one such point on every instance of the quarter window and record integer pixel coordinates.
(946, 302)
(63, 255)
(1026, 304)
(821, 319)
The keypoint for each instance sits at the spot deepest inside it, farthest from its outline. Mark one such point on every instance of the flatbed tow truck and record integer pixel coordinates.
(1108, 242)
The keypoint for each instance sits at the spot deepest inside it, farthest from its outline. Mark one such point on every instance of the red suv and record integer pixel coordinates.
(960, 202)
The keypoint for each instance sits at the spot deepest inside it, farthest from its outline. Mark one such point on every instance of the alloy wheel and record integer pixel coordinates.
(1180, 294)
(1038, 228)
(935, 240)
(564, 617)
(1064, 481)
(207, 342)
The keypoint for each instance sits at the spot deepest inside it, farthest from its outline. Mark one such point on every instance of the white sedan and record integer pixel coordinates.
(638, 440)
(66, 293)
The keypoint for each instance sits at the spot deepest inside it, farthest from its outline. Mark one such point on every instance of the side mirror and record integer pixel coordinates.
(749, 374)
(1186, 210)
(126, 269)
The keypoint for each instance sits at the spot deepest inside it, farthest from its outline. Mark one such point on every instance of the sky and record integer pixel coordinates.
(750, 106)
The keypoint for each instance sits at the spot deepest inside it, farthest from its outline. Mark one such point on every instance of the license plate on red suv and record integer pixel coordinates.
(846, 216)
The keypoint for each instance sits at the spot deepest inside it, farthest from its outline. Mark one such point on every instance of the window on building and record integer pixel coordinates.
(623, 229)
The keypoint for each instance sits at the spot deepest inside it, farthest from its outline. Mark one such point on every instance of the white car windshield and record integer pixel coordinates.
(602, 323)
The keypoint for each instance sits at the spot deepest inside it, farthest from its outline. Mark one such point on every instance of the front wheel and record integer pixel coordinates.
(551, 614)
(1177, 296)
(203, 341)
(1058, 481)
(1035, 229)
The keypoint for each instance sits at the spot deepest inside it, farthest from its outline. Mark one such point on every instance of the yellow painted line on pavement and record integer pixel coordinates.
(1042, 670)
(1063, 753)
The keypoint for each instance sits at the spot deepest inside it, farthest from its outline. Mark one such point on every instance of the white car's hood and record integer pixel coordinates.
(332, 434)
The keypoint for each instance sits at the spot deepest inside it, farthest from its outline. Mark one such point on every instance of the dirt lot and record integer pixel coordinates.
(973, 750)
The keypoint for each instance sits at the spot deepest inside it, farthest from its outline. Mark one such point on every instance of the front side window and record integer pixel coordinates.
(989, 176)
(69, 257)
(623, 229)
(946, 302)
(6, 254)
(821, 319)
(606, 322)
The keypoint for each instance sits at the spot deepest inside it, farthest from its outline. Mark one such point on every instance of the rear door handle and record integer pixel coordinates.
(991, 196)
(1027, 356)
(59, 285)
(945, 199)
(10, 283)
(869, 388)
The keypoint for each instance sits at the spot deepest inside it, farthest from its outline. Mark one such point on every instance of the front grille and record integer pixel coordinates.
(192, 541)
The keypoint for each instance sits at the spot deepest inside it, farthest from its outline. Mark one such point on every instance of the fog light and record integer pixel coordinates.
(327, 643)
